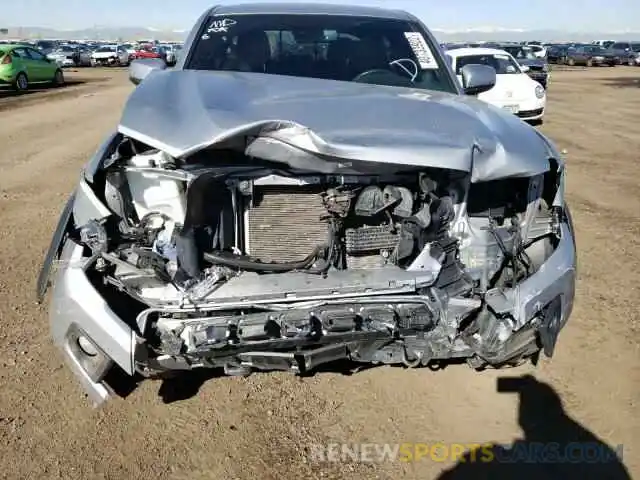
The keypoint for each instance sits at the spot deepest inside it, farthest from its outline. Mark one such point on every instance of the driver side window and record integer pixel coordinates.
(35, 55)
(20, 53)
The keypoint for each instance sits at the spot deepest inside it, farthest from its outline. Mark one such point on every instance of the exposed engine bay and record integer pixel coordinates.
(243, 264)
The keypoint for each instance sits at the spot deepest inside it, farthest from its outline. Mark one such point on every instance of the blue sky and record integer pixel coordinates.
(576, 15)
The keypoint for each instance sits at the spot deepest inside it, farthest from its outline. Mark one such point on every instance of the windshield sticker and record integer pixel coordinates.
(221, 26)
(421, 50)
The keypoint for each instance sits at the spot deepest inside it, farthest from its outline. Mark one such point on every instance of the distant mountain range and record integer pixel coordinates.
(443, 35)
(95, 33)
(518, 35)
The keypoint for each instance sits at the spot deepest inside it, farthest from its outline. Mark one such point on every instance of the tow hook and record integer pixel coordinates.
(411, 363)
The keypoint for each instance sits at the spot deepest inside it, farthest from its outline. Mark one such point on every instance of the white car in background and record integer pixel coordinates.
(110, 55)
(71, 56)
(539, 51)
(170, 51)
(514, 90)
(166, 50)
(604, 43)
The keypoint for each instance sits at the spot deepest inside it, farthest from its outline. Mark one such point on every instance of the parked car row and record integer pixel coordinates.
(599, 53)
(87, 54)
(24, 64)
(596, 53)
(122, 55)
(535, 66)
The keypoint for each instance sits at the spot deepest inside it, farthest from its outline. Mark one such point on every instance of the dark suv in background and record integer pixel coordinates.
(591, 56)
(537, 68)
(627, 51)
(557, 53)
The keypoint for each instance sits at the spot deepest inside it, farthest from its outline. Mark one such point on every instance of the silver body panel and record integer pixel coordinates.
(303, 119)
(76, 303)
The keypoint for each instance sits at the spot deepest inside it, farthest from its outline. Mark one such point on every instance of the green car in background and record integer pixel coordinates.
(21, 66)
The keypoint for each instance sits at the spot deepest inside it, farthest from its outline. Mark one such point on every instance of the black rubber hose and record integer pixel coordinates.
(246, 263)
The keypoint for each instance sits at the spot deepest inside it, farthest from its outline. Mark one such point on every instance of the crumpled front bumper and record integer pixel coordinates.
(79, 310)
(543, 302)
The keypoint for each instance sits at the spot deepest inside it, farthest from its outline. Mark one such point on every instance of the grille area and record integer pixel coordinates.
(529, 113)
(284, 223)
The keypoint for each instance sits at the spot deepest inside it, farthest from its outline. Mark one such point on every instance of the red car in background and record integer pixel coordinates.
(146, 51)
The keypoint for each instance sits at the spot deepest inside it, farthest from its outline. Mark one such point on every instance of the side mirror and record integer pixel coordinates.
(524, 68)
(477, 78)
(140, 69)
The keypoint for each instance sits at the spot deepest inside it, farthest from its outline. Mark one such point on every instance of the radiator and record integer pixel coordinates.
(284, 222)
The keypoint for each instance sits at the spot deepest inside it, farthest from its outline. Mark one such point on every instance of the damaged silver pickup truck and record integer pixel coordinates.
(310, 183)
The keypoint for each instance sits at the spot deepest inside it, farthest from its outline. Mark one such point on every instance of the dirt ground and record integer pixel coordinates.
(262, 426)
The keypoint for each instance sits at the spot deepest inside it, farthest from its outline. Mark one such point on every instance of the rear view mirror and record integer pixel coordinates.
(140, 69)
(477, 78)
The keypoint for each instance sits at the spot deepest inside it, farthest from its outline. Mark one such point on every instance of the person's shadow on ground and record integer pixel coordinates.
(554, 445)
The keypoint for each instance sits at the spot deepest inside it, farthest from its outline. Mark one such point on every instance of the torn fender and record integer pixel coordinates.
(65, 223)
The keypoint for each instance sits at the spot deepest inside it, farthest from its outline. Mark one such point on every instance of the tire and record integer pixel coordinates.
(58, 78)
(571, 62)
(21, 83)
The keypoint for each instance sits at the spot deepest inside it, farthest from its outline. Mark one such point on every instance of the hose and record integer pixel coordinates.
(249, 264)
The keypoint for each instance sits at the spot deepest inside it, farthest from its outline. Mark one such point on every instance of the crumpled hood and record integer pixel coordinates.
(312, 123)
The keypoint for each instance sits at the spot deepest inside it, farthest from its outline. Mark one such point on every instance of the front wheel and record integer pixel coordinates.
(58, 78)
(22, 83)
(571, 62)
